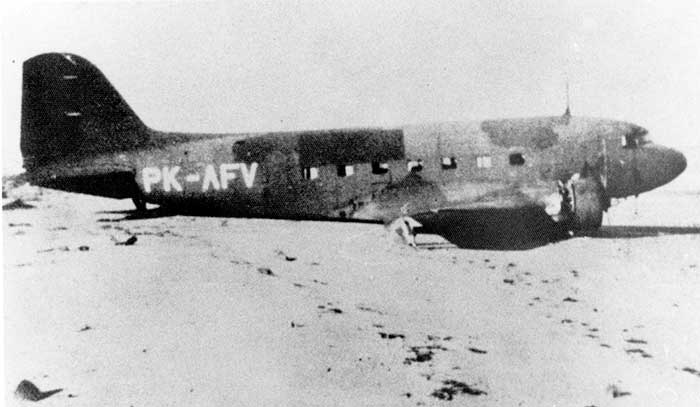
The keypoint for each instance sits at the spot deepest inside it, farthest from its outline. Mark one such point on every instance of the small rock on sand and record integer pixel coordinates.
(16, 204)
(385, 335)
(454, 387)
(265, 271)
(128, 242)
(28, 391)
(617, 392)
(691, 371)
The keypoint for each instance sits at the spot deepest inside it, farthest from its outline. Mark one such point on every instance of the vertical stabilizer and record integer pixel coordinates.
(70, 111)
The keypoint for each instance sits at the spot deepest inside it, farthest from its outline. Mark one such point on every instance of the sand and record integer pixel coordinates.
(239, 312)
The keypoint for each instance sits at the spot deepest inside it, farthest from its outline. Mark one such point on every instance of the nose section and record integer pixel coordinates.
(661, 166)
(678, 163)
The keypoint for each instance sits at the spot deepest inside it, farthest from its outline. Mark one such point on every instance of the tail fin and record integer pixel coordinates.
(70, 111)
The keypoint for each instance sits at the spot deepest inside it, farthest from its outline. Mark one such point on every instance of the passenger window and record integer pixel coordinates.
(516, 159)
(310, 172)
(379, 168)
(449, 163)
(345, 170)
(415, 165)
(483, 161)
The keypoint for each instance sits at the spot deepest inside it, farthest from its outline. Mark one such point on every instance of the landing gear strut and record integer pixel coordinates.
(137, 198)
(139, 202)
(407, 232)
(405, 226)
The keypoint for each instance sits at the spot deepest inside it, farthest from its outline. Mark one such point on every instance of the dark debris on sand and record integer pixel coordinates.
(286, 256)
(128, 242)
(617, 392)
(691, 371)
(17, 204)
(385, 335)
(452, 388)
(369, 309)
(28, 391)
(422, 353)
(265, 271)
(641, 352)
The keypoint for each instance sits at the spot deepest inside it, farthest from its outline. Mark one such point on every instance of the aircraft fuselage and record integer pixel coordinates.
(336, 173)
(79, 135)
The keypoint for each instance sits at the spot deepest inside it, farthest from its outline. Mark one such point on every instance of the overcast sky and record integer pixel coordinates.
(284, 65)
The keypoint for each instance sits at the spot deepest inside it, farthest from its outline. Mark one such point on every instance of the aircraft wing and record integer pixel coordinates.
(483, 216)
(416, 197)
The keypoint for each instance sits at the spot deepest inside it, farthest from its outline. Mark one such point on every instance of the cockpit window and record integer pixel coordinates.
(635, 138)
(629, 141)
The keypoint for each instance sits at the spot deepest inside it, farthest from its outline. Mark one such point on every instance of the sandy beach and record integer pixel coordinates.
(249, 312)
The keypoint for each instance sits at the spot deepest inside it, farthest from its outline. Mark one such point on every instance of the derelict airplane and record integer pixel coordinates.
(454, 179)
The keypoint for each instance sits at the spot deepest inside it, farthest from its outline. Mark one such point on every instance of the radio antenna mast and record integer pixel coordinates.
(568, 102)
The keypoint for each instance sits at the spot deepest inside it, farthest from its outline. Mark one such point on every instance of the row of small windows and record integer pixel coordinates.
(483, 161)
(449, 163)
(380, 168)
(309, 172)
(345, 170)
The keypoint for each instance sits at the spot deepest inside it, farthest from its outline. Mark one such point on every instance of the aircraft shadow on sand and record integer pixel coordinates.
(633, 232)
(493, 229)
(489, 229)
(208, 212)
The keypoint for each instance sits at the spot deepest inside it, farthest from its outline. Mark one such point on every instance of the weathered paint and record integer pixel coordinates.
(78, 133)
(169, 179)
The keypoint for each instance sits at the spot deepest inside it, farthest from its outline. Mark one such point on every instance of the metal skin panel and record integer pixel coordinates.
(351, 146)
(279, 188)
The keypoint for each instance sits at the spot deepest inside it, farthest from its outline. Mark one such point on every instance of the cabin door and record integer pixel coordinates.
(282, 177)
